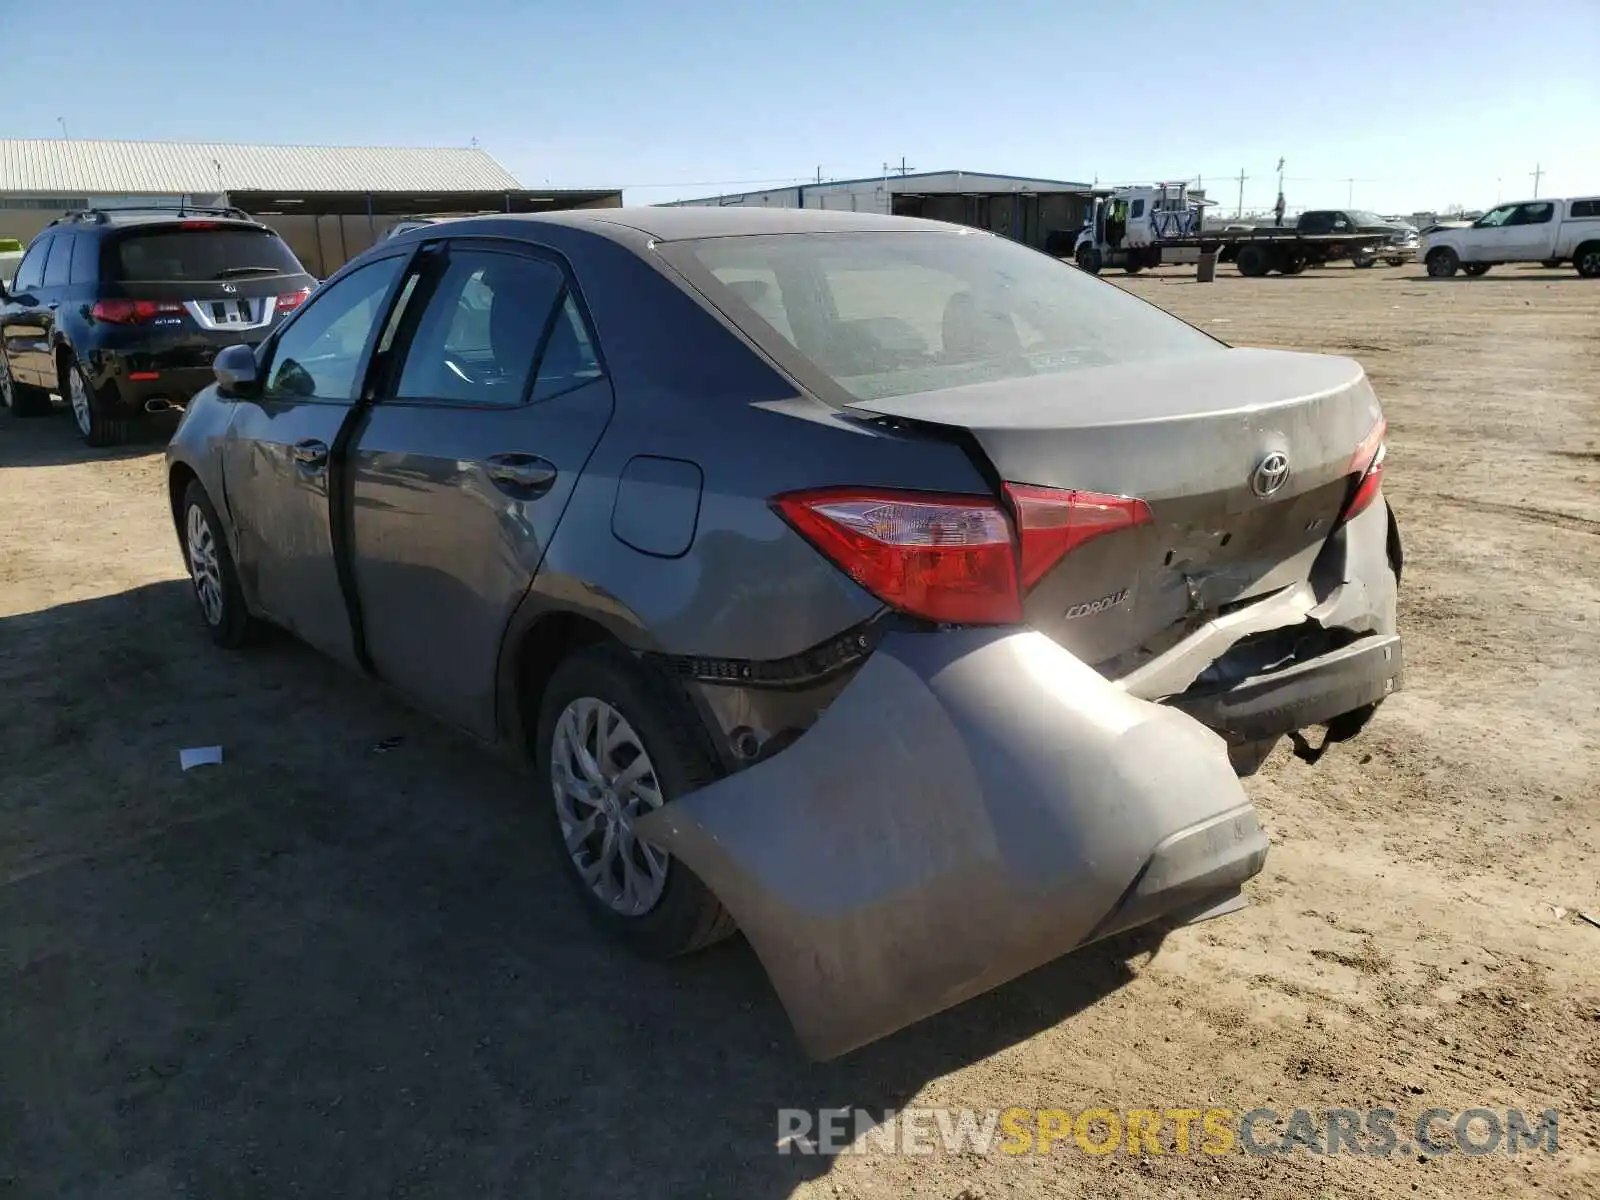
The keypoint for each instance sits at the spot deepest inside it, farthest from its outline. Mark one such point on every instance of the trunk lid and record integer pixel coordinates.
(1197, 439)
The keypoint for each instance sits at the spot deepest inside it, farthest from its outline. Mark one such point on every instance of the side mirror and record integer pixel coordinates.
(235, 369)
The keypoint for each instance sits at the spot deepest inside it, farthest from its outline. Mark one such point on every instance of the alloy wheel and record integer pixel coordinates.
(78, 391)
(602, 780)
(203, 566)
(1589, 264)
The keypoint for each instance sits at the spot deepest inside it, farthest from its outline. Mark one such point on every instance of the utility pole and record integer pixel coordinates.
(819, 172)
(902, 169)
(1538, 173)
(1350, 194)
(1239, 212)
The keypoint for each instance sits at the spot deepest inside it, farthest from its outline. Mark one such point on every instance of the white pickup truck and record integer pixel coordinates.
(1549, 232)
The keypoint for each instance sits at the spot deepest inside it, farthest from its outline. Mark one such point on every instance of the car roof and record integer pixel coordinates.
(90, 222)
(680, 224)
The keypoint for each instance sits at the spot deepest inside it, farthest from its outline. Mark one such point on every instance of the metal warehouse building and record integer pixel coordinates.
(1029, 210)
(329, 202)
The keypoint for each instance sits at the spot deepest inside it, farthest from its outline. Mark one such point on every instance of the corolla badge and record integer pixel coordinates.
(1271, 473)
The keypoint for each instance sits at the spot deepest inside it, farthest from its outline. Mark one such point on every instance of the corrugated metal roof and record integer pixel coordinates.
(159, 168)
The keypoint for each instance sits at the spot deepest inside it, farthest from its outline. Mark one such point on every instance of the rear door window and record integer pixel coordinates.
(483, 328)
(58, 267)
(201, 254)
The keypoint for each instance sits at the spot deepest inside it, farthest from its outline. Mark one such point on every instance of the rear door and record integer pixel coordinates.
(284, 445)
(463, 467)
(22, 320)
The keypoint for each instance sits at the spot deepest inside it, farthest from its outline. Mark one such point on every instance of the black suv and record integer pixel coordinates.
(122, 310)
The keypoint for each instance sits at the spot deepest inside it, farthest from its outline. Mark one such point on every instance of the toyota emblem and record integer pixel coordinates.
(230, 288)
(1271, 473)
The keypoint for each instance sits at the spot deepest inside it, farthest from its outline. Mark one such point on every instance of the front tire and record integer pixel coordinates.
(1395, 261)
(613, 744)
(1443, 263)
(20, 399)
(211, 571)
(97, 427)
(1090, 260)
(1363, 261)
(1254, 261)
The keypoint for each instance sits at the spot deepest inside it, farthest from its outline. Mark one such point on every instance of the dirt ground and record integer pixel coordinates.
(325, 970)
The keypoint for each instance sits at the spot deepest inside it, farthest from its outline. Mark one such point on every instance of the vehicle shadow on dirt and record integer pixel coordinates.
(53, 440)
(346, 962)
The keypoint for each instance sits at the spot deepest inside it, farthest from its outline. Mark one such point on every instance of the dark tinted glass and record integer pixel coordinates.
(195, 255)
(85, 260)
(59, 266)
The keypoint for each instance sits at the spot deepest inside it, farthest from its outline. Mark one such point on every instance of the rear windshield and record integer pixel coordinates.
(888, 314)
(191, 255)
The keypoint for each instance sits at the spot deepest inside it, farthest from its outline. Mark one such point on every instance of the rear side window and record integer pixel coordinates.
(200, 255)
(58, 267)
(85, 259)
(887, 314)
(1586, 208)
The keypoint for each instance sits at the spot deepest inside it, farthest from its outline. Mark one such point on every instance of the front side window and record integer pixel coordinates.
(319, 355)
(58, 267)
(30, 272)
(481, 331)
(1534, 214)
(887, 314)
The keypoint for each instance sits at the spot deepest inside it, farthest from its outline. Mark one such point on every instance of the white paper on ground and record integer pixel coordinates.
(199, 756)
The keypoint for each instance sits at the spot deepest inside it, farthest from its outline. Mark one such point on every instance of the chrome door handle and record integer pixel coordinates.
(311, 453)
(521, 473)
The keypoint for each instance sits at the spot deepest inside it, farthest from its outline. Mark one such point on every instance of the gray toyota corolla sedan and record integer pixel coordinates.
(898, 595)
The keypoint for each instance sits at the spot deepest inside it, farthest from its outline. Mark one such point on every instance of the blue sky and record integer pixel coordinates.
(1420, 104)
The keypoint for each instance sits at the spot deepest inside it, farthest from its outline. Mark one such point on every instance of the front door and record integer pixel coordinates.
(25, 320)
(284, 446)
(462, 468)
(1491, 238)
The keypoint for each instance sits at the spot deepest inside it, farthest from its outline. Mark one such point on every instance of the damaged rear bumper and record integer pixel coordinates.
(1306, 693)
(974, 804)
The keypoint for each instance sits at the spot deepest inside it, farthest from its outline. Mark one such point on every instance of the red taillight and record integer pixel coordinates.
(1366, 466)
(290, 301)
(962, 559)
(1053, 523)
(946, 558)
(133, 312)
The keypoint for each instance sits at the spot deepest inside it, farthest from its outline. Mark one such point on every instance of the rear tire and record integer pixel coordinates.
(19, 398)
(1443, 263)
(1395, 261)
(1550, 264)
(681, 915)
(1293, 264)
(1254, 261)
(1132, 268)
(1475, 269)
(1587, 260)
(1363, 261)
(211, 571)
(97, 427)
